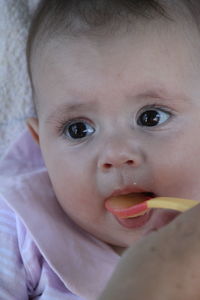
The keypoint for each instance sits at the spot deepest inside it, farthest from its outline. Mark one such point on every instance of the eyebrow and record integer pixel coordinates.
(71, 108)
(79, 107)
(163, 94)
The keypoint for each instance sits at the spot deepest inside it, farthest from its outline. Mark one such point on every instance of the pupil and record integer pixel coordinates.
(150, 118)
(77, 130)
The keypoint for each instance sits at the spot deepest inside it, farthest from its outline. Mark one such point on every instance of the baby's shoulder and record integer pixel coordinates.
(12, 225)
(7, 219)
(20, 247)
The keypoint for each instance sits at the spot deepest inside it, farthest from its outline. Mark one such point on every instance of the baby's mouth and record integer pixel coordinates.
(123, 206)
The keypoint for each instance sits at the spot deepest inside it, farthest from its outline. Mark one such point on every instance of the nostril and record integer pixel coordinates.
(107, 166)
(130, 162)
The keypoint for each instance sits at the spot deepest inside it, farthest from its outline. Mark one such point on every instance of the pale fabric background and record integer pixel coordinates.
(15, 93)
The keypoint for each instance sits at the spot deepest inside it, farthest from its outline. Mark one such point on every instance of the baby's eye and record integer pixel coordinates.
(153, 117)
(78, 129)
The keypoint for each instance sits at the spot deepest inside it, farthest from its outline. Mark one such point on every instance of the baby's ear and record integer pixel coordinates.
(33, 126)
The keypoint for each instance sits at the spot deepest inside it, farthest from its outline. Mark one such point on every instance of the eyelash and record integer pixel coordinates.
(157, 106)
(154, 107)
(61, 124)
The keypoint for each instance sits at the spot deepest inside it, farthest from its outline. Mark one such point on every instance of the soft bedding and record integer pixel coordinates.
(15, 92)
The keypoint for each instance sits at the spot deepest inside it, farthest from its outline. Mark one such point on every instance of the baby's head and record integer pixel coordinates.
(117, 93)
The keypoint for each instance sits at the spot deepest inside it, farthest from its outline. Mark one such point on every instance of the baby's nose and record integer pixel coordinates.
(119, 156)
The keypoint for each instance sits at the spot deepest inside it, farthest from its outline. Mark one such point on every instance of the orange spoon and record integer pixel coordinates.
(125, 208)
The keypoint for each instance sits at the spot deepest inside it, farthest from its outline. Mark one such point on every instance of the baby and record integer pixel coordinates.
(116, 90)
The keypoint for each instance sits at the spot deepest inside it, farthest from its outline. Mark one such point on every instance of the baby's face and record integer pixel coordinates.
(120, 115)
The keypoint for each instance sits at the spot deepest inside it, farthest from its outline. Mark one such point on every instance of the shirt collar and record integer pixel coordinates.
(83, 263)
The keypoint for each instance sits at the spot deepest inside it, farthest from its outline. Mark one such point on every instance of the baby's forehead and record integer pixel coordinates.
(56, 49)
(140, 28)
(73, 62)
(171, 15)
(75, 27)
(55, 22)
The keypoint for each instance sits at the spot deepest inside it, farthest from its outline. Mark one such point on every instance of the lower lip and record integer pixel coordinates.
(136, 222)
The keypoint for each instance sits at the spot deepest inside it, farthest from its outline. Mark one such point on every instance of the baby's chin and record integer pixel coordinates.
(120, 245)
(119, 250)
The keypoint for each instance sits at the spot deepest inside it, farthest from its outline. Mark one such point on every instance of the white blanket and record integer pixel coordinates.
(15, 93)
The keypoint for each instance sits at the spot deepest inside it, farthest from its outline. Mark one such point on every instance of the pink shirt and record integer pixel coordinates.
(43, 254)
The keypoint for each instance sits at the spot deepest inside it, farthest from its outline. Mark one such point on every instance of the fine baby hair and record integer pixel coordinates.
(97, 18)
(54, 19)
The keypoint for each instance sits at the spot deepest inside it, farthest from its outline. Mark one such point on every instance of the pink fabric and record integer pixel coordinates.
(56, 258)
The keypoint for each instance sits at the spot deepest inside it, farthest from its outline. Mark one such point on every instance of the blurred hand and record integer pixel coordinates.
(165, 265)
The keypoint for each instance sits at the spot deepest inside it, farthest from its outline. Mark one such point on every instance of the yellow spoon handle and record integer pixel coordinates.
(171, 203)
